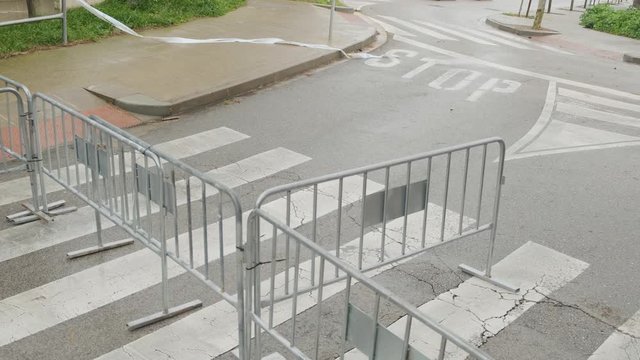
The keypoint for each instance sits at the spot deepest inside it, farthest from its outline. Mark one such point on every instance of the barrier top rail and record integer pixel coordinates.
(177, 163)
(357, 171)
(354, 273)
(62, 15)
(16, 85)
(9, 148)
(144, 147)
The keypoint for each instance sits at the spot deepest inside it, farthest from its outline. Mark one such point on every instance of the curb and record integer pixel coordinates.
(633, 58)
(141, 104)
(379, 41)
(518, 30)
(344, 9)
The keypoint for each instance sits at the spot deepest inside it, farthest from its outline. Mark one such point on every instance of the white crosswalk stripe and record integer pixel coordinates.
(599, 100)
(623, 344)
(523, 40)
(494, 38)
(476, 310)
(419, 29)
(483, 36)
(392, 29)
(456, 33)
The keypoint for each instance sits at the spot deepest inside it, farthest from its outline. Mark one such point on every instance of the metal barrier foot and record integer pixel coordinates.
(99, 248)
(29, 215)
(482, 275)
(163, 315)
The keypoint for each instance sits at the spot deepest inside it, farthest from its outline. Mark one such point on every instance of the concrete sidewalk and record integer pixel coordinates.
(570, 35)
(147, 77)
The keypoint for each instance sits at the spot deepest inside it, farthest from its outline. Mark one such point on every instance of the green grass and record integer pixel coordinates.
(83, 26)
(619, 22)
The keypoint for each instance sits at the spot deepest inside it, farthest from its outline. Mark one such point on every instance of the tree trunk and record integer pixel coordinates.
(636, 3)
(537, 21)
(31, 8)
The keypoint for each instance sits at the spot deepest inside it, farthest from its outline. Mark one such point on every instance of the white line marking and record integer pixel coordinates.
(495, 38)
(482, 89)
(419, 29)
(19, 189)
(561, 137)
(514, 70)
(463, 83)
(24, 239)
(560, 134)
(429, 63)
(577, 95)
(510, 88)
(199, 337)
(391, 59)
(538, 127)
(575, 110)
(477, 310)
(623, 344)
(455, 33)
(48, 305)
(392, 29)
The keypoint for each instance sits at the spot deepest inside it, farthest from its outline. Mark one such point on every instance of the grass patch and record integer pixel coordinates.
(83, 26)
(604, 18)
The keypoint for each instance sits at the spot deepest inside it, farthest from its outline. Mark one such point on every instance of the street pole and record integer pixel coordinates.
(537, 22)
(571, 7)
(333, 10)
(520, 10)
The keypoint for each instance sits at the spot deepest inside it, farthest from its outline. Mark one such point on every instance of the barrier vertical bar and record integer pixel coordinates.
(486, 275)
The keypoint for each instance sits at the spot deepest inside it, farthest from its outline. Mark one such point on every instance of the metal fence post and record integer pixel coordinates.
(333, 11)
(64, 22)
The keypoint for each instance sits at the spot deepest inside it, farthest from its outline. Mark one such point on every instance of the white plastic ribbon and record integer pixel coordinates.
(180, 40)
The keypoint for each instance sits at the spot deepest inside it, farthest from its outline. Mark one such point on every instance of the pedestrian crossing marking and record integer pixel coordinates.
(598, 100)
(61, 300)
(476, 310)
(519, 39)
(19, 189)
(605, 116)
(560, 135)
(190, 338)
(419, 29)
(456, 33)
(392, 29)
(552, 136)
(623, 344)
(494, 38)
(24, 239)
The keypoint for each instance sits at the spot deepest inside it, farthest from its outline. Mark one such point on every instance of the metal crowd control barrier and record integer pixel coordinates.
(393, 219)
(20, 149)
(62, 15)
(172, 208)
